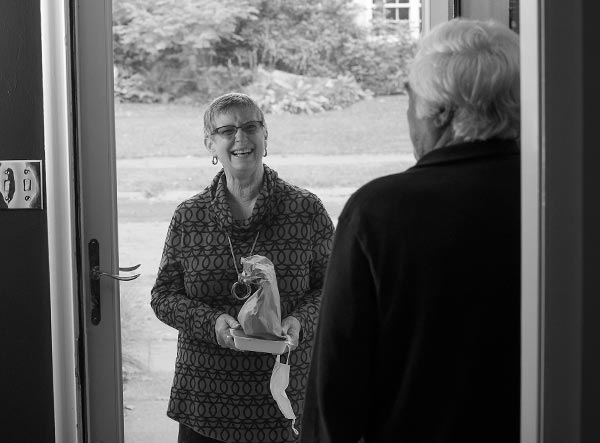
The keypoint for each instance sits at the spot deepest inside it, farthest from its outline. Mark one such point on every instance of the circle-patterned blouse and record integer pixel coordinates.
(221, 393)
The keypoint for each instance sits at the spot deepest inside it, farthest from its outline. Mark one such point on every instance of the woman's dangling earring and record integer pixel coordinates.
(265, 153)
(215, 160)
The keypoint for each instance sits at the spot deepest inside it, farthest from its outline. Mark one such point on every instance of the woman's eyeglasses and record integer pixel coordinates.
(229, 131)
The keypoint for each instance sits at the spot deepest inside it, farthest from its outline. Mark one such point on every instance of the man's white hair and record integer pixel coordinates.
(471, 69)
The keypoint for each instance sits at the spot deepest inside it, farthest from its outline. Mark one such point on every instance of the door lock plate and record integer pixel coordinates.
(20, 184)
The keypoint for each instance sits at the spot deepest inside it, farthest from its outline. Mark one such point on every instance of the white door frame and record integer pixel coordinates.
(82, 205)
(60, 206)
(62, 214)
(101, 378)
(532, 258)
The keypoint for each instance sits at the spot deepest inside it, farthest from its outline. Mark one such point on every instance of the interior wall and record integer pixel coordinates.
(571, 281)
(25, 334)
(563, 221)
(590, 402)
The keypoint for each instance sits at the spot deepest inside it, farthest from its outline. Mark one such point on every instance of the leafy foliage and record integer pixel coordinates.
(162, 47)
(277, 91)
(379, 63)
(194, 50)
(302, 37)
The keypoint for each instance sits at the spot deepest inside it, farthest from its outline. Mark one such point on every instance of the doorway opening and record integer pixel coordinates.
(332, 128)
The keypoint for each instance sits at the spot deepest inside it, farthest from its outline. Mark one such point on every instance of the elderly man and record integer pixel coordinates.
(419, 330)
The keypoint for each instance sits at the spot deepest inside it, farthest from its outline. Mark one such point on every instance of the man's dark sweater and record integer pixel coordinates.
(419, 331)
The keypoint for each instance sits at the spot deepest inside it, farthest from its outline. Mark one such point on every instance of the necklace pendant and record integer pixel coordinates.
(241, 286)
(241, 289)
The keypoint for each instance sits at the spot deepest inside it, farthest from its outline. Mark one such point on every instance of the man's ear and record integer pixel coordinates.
(443, 117)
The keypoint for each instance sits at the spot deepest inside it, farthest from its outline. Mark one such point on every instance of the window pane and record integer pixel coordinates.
(390, 14)
(402, 13)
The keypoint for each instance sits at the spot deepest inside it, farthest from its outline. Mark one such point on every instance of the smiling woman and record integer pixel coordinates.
(247, 209)
(239, 151)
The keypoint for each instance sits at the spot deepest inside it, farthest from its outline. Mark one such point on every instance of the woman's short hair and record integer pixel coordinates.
(470, 68)
(225, 103)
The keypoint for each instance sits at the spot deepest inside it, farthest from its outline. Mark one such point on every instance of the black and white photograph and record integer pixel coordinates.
(299, 221)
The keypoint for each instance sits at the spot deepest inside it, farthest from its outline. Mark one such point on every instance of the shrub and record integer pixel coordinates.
(162, 47)
(379, 63)
(302, 37)
(278, 91)
(192, 51)
(161, 85)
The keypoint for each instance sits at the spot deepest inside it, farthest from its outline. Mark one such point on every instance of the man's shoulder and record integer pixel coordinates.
(376, 198)
(391, 186)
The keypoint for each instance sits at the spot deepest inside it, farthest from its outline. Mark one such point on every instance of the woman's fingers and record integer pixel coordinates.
(224, 323)
(226, 340)
(291, 327)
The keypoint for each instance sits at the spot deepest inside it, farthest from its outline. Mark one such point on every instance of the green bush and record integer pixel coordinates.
(131, 87)
(162, 85)
(379, 63)
(278, 91)
(163, 48)
(191, 51)
(302, 37)
(321, 39)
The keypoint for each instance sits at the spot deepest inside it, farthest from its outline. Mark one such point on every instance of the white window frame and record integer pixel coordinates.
(413, 7)
(396, 6)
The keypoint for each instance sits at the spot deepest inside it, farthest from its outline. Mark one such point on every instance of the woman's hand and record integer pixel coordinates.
(224, 323)
(291, 327)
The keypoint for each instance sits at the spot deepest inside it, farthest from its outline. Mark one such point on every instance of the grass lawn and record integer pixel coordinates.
(368, 127)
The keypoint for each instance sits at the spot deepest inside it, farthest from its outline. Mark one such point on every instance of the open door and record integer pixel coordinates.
(556, 406)
(100, 344)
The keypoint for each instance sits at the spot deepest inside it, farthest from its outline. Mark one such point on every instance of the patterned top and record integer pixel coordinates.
(221, 393)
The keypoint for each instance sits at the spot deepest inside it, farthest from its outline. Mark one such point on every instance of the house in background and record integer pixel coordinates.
(409, 11)
(398, 11)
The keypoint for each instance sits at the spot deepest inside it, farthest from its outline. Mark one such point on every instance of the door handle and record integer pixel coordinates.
(131, 268)
(96, 273)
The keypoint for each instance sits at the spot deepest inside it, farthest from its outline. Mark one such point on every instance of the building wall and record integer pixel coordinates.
(25, 334)
(572, 221)
(590, 402)
(365, 13)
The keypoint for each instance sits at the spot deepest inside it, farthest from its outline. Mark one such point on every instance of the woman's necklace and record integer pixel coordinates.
(240, 280)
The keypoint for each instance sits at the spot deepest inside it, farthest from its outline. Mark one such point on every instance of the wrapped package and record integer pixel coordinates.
(260, 316)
